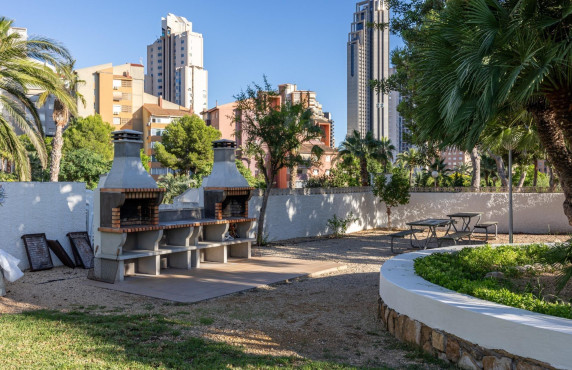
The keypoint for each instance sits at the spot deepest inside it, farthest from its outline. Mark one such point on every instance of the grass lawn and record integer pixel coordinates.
(52, 339)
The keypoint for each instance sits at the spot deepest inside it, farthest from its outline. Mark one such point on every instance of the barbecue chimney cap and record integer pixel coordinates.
(224, 143)
(127, 135)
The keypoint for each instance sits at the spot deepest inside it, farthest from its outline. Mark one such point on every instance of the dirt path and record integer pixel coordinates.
(331, 317)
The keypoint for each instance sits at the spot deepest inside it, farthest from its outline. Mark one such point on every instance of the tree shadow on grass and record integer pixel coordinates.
(76, 339)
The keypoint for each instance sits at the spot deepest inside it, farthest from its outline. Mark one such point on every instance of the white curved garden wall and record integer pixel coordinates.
(489, 325)
(305, 212)
(40, 207)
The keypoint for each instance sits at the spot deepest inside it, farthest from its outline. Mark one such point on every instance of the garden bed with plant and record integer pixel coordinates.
(533, 277)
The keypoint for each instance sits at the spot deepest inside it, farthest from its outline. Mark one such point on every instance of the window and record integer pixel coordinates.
(159, 74)
(160, 54)
(116, 108)
(160, 67)
(116, 84)
(159, 48)
(182, 62)
(116, 120)
(160, 80)
(315, 172)
(159, 87)
(42, 117)
(182, 55)
(182, 41)
(183, 48)
(328, 158)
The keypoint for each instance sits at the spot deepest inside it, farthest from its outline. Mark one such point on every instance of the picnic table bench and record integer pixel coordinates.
(403, 234)
(485, 225)
(455, 237)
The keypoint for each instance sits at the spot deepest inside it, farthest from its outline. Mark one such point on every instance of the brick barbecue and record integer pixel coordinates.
(226, 191)
(133, 237)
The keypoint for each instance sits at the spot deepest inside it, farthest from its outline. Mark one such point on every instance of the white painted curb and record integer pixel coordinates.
(490, 325)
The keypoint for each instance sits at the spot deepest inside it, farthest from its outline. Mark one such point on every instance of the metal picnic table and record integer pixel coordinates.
(466, 218)
(431, 224)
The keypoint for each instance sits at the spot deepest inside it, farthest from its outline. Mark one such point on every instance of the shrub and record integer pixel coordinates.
(339, 226)
(465, 271)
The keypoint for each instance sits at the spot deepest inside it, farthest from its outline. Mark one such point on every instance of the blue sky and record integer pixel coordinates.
(291, 41)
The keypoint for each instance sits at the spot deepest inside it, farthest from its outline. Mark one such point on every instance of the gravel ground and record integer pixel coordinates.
(330, 317)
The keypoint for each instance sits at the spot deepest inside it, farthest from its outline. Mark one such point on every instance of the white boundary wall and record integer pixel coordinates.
(304, 212)
(40, 207)
(490, 325)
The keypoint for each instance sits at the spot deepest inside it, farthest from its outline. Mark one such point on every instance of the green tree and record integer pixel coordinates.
(20, 70)
(177, 185)
(244, 171)
(89, 133)
(145, 159)
(83, 165)
(273, 135)
(482, 58)
(393, 192)
(187, 145)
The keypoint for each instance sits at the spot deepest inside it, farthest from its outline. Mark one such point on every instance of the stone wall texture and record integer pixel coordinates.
(304, 212)
(54, 209)
(451, 348)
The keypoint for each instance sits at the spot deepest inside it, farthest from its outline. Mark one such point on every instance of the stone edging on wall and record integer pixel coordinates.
(413, 309)
(450, 348)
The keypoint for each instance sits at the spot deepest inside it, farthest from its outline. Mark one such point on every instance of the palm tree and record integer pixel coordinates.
(488, 169)
(361, 148)
(440, 167)
(25, 64)
(463, 169)
(63, 111)
(482, 57)
(410, 160)
(384, 152)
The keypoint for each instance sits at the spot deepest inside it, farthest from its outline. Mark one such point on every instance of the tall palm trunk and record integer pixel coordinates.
(363, 172)
(410, 174)
(500, 169)
(476, 163)
(535, 178)
(293, 176)
(555, 131)
(520, 183)
(60, 116)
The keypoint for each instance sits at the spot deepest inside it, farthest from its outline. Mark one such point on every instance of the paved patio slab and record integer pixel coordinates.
(218, 279)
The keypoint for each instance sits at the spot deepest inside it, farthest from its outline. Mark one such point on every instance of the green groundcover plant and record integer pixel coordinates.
(465, 272)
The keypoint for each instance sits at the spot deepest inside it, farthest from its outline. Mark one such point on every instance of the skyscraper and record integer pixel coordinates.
(368, 59)
(175, 65)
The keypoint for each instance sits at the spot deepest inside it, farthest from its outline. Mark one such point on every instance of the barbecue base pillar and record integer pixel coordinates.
(196, 258)
(181, 260)
(218, 254)
(2, 286)
(149, 265)
(241, 250)
(216, 233)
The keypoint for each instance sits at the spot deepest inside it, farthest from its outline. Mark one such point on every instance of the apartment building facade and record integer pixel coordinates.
(368, 59)
(175, 69)
(115, 93)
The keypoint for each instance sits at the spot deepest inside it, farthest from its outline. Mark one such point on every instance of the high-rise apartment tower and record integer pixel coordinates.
(175, 65)
(368, 59)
